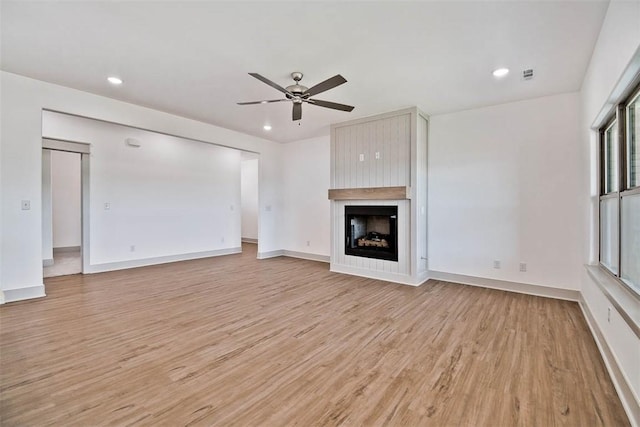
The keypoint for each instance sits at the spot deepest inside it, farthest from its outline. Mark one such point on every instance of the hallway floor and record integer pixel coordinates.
(64, 263)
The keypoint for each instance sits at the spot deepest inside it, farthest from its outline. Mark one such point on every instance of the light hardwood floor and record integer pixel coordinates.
(236, 341)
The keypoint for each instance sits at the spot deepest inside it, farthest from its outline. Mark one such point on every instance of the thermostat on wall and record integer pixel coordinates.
(132, 142)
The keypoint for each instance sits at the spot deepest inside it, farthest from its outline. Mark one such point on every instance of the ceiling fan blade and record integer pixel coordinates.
(297, 111)
(270, 83)
(262, 102)
(333, 105)
(334, 81)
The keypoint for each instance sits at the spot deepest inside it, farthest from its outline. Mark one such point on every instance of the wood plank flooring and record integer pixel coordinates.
(236, 341)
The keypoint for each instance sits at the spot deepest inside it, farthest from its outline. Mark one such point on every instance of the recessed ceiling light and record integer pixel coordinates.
(114, 80)
(264, 102)
(266, 127)
(500, 72)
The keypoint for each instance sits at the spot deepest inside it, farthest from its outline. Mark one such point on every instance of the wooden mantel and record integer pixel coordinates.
(371, 193)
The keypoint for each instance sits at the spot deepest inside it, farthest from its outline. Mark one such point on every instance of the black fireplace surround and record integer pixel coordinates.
(371, 232)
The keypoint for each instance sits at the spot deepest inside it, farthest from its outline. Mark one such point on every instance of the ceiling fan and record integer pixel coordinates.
(298, 94)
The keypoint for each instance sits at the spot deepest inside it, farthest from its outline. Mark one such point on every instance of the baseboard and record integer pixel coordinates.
(422, 277)
(629, 403)
(20, 294)
(121, 265)
(270, 254)
(402, 279)
(504, 285)
(307, 256)
(293, 254)
(47, 262)
(249, 240)
(66, 249)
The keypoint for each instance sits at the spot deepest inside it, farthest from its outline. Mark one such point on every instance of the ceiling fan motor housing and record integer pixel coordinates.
(298, 90)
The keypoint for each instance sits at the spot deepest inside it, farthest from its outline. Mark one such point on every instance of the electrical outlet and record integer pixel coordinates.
(523, 267)
(267, 208)
(496, 264)
(231, 207)
(361, 157)
(308, 242)
(222, 240)
(132, 248)
(608, 314)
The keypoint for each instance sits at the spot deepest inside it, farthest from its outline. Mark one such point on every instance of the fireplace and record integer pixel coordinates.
(378, 193)
(371, 231)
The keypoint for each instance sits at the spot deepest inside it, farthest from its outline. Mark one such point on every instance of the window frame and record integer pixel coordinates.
(634, 97)
(620, 117)
(604, 158)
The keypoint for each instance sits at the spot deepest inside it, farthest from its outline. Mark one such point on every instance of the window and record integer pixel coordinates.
(611, 158)
(620, 193)
(633, 142)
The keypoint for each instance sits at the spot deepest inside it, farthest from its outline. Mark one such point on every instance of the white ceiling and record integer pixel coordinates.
(192, 58)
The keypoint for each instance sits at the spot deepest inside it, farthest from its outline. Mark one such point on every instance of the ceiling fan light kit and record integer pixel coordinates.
(299, 94)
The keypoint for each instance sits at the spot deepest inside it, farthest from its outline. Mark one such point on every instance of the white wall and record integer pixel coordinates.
(617, 42)
(23, 100)
(47, 208)
(170, 196)
(503, 185)
(66, 198)
(617, 51)
(249, 197)
(305, 188)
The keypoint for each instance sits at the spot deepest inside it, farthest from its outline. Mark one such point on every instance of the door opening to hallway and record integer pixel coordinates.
(62, 208)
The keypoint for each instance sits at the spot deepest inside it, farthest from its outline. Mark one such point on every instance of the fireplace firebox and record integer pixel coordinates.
(372, 232)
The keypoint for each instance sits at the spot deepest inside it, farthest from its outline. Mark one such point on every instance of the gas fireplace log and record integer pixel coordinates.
(375, 243)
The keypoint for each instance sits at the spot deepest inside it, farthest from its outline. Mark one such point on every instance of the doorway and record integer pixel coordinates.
(64, 165)
(249, 181)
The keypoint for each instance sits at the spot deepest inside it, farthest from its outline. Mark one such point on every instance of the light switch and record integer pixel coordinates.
(377, 155)
(26, 205)
(362, 157)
